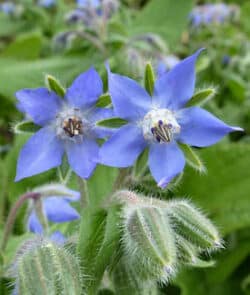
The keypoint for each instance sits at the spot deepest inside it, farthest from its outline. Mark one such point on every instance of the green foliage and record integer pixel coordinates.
(167, 18)
(226, 182)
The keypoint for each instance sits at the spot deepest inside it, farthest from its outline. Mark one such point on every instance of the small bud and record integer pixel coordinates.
(149, 242)
(43, 267)
(191, 224)
(57, 189)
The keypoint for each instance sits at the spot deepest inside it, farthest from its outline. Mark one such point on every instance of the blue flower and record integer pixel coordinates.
(84, 3)
(7, 7)
(166, 63)
(159, 122)
(68, 125)
(47, 3)
(212, 13)
(55, 209)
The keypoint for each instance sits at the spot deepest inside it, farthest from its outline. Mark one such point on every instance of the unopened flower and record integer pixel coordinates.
(68, 125)
(212, 13)
(159, 122)
(55, 209)
(93, 13)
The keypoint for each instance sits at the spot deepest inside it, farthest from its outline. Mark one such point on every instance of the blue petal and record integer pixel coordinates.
(84, 3)
(41, 104)
(58, 238)
(34, 224)
(122, 149)
(200, 128)
(174, 88)
(58, 210)
(42, 152)
(165, 162)
(85, 89)
(83, 156)
(100, 114)
(129, 99)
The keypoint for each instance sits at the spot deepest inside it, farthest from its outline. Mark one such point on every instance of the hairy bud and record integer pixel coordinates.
(42, 267)
(149, 242)
(191, 224)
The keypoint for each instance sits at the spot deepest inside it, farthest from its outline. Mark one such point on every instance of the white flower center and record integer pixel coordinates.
(160, 125)
(70, 124)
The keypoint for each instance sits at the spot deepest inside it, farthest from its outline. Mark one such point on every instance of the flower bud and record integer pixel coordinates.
(43, 267)
(149, 242)
(57, 189)
(126, 281)
(192, 225)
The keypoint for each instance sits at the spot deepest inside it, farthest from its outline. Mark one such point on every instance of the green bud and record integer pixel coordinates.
(126, 281)
(55, 189)
(191, 224)
(43, 267)
(149, 242)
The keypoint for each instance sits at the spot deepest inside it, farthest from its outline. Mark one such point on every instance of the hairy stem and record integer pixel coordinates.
(83, 187)
(12, 216)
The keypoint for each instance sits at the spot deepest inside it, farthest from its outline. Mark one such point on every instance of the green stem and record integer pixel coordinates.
(83, 187)
(12, 216)
(40, 214)
(121, 179)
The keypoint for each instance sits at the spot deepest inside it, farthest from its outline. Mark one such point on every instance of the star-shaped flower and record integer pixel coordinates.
(160, 122)
(67, 125)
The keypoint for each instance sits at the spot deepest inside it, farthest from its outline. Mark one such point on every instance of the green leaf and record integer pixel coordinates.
(91, 234)
(192, 158)
(109, 246)
(27, 127)
(9, 26)
(54, 85)
(112, 123)
(15, 75)
(167, 18)
(201, 97)
(238, 86)
(104, 100)
(101, 184)
(25, 47)
(225, 185)
(149, 79)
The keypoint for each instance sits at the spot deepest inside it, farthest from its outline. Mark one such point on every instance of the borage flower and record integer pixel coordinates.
(67, 125)
(56, 209)
(47, 3)
(212, 13)
(159, 122)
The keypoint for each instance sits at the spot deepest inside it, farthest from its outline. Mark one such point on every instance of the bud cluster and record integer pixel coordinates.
(160, 236)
